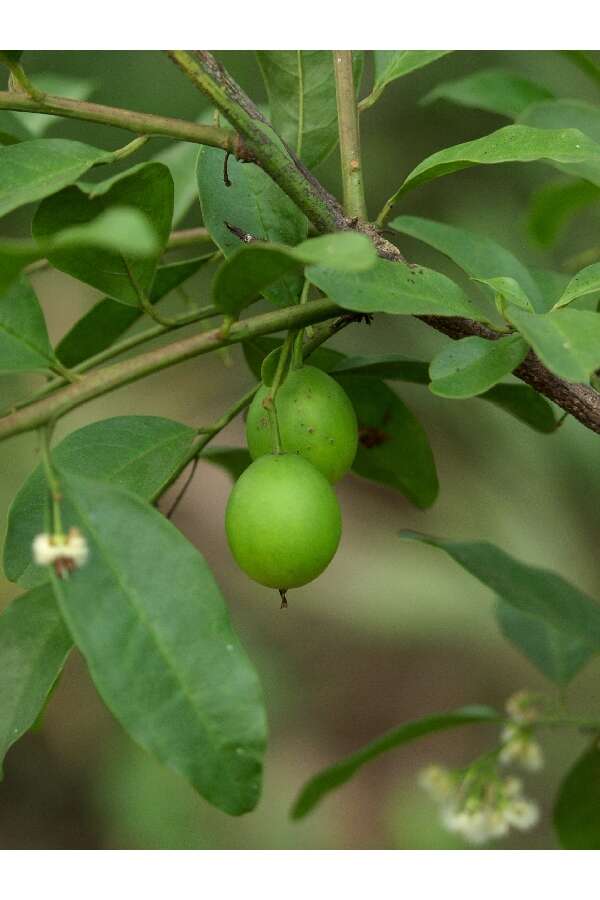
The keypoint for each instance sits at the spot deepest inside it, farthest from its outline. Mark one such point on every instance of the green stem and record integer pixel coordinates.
(207, 434)
(269, 402)
(112, 377)
(261, 143)
(297, 355)
(131, 147)
(188, 237)
(348, 127)
(51, 479)
(144, 299)
(139, 123)
(142, 337)
(21, 80)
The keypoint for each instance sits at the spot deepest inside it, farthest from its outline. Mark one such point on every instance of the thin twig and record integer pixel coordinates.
(348, 127)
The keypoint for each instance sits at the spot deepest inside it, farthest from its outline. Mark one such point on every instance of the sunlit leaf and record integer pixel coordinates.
(254, 267)
(585, 117)
(147, 188)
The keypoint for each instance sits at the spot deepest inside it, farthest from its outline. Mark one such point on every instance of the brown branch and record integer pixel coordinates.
(579, 400)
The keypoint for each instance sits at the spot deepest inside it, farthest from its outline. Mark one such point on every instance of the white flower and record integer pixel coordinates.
(64, 553)
(524, 751)
(437, 781)
(44, 551)
(477, 825)
(522, 813)
(521, 707)
(512, 787)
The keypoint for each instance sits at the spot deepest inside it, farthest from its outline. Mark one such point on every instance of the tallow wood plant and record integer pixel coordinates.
(104, 570)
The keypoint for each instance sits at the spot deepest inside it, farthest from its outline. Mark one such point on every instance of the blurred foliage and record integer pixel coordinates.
(388, 633)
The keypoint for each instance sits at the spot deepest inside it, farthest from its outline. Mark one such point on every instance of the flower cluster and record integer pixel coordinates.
(65, 552)
(478, 804)
(519, 747)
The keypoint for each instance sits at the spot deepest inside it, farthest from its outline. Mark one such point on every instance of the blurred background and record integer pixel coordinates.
(392, 630)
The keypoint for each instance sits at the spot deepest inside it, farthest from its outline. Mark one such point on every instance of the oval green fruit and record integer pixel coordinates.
(283, 521)
(316, 421)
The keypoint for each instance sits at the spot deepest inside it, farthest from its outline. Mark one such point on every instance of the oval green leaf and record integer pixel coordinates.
(494, 90)
(335, 776)
(24, 342)
(32, 170)
(148, 189)
(567, 341)
(140, 453)
(388, 65)
(576, 816)
(34, 644)
(152, 625)
(472, 365)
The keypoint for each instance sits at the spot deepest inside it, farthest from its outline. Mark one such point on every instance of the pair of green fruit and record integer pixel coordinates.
(283, 519)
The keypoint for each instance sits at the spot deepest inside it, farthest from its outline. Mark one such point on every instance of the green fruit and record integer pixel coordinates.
(283, 521)
(316, 420)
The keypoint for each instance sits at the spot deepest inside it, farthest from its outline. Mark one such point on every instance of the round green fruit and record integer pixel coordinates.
(316, 420)
(283, 521)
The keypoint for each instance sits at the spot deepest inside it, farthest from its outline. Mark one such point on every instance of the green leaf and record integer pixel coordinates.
(513, 143)
(477, 255)
(232, 459)
(136, 452)
(180, 158)
(24, 342)
(393, 449)
(558, 655)
(567, 341)
(472, 365)
(254, 267)
(152, 625)
(335, 776)
(256, 205)
(525, 404)
(553, 205)
(395, 288)
(147, 188)
(388, 65)
(578, 114)
(34, 645)
(108, 319)
(495, 90)
(393, 366)
(507, 290)
(585, 282)
(118, 230)
(536, 592)
(32, 170)
(576, 817)
(35, 124)
(301, 90)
